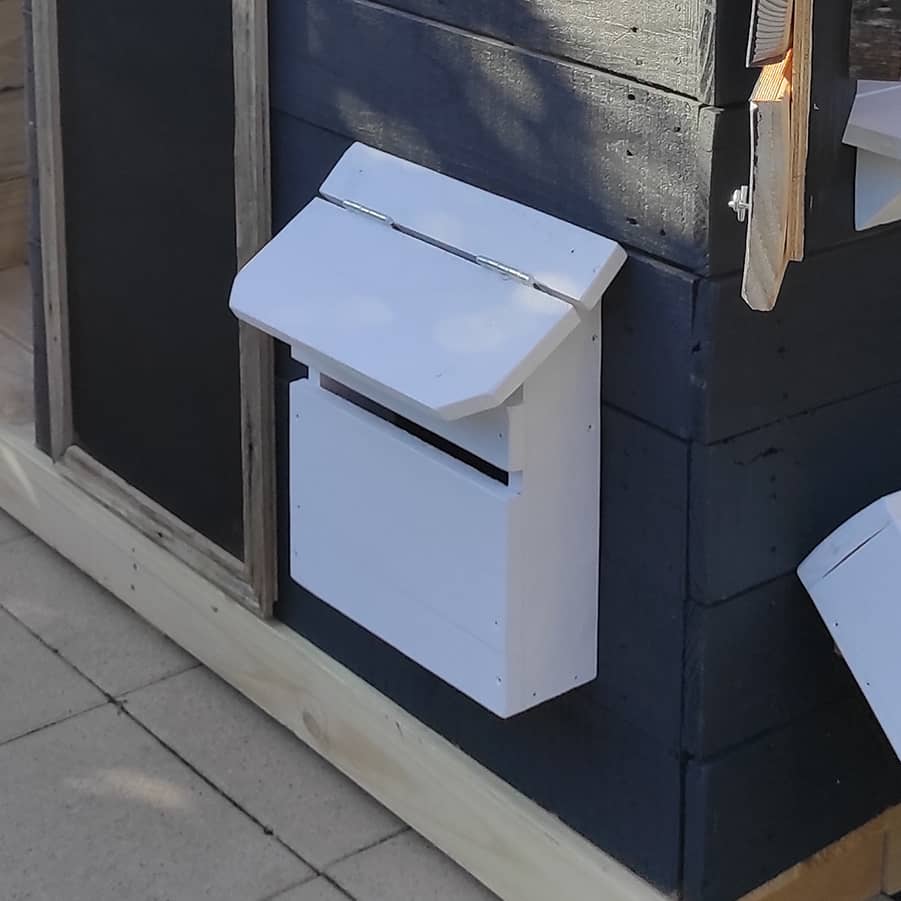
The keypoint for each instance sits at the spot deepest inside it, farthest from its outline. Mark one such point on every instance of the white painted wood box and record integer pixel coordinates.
(854, 578)
(445, 449)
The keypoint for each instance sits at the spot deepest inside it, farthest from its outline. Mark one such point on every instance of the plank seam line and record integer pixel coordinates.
(121, 704)
(536, 54)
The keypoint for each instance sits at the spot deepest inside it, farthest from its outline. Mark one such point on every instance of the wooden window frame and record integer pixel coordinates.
(251, 580)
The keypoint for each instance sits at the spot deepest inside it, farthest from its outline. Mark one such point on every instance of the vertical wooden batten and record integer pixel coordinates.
(53, 223)
(253, 225)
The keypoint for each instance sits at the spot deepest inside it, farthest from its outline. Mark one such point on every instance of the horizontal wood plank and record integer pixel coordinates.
(761, 502)
(751, 370)
(628, 161)
(690, 47)
(876, 40)
(755, 812)
(756, 662)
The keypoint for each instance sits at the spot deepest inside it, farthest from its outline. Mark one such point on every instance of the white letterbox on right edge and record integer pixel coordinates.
(445, 449)
(854, 578)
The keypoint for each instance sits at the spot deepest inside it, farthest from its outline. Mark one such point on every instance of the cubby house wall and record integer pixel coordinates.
(732, 441)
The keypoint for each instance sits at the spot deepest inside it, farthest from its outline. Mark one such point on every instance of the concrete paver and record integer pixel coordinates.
(9, 528)
(312, 807)
(36, 686)
(90, 628)
(316, 890)
(406, 868)
(95, 809)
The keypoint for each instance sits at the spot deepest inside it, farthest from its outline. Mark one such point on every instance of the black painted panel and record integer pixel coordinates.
(647, 339)
(834, 334)
(757, 811)
(761, 502)
(631, 162)
(755, 662)
(148, 137)
(655, 41)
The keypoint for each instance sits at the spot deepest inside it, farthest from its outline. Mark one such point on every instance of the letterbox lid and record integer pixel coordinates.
(571, 262)
(370, 299)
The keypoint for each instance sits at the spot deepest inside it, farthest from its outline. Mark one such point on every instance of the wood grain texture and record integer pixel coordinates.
(13, 203)
(756, 662)
(12, 55)
(52, 213)
(771, 160)
(758, 810)
(518, 850)
(150, 210)
(891, 865)
(801, 88)
(686, 46)
(253, 223)
(216, 565)
(631, 162)
(12, 133)
(748, 370)
(847, 870)
(762, 501)
(875, 46)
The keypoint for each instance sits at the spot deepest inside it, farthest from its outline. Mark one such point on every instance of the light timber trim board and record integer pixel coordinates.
(517, 849)
(855, 868)
(253, 217)
(251, 581)
(802, 79)
(765, 259)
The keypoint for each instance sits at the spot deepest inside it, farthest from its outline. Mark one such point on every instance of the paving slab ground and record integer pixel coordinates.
(128, 772)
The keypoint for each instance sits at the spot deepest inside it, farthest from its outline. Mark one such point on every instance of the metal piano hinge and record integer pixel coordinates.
(509, 271)
(366, 211)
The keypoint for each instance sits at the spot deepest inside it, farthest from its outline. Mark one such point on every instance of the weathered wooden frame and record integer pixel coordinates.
(251, 580)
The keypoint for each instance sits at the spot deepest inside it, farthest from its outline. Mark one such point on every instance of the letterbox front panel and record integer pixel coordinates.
(402, 538)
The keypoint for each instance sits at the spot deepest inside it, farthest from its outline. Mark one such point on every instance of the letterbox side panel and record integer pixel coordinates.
(556, 551)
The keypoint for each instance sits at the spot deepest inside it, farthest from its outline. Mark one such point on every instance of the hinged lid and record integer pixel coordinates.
(875, 121)
(567, 261)
(453, 330)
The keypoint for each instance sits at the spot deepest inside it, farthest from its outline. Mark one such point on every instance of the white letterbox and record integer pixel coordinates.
(445, 449)
(854, 578)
